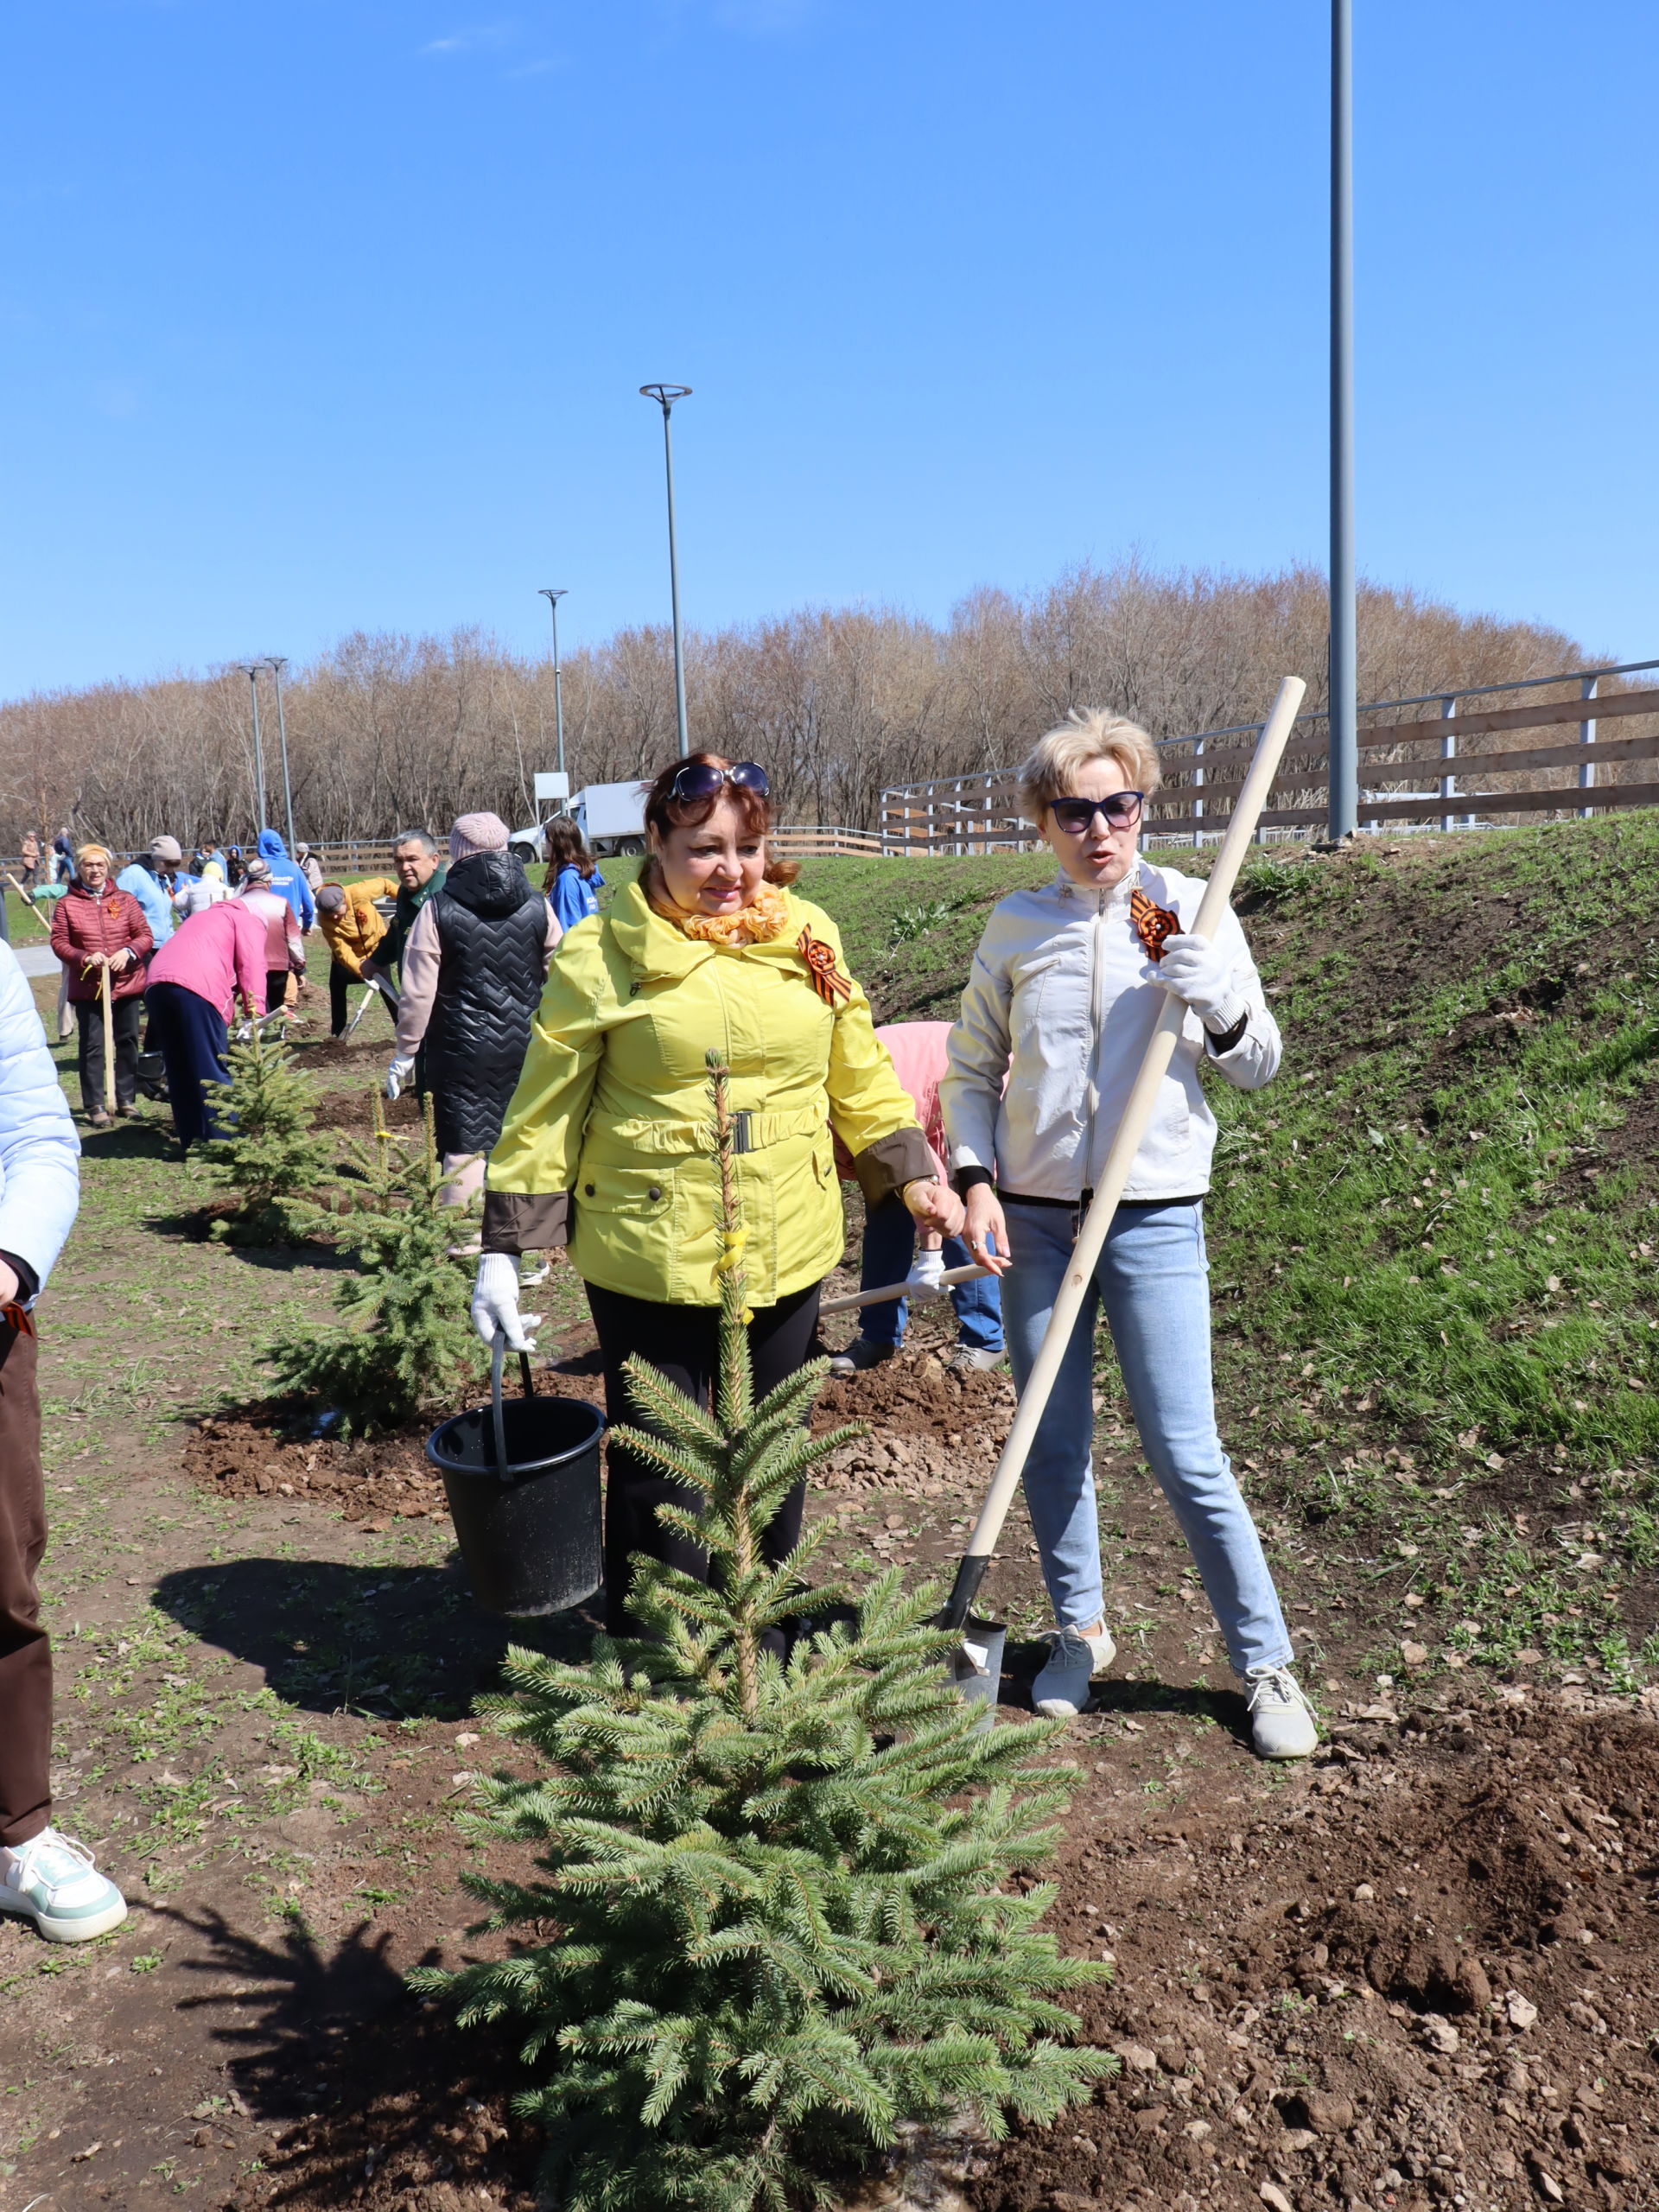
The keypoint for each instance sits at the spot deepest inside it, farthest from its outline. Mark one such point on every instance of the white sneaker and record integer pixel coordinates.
(52, 1880)
(1281, 1719)
(1062, 1689)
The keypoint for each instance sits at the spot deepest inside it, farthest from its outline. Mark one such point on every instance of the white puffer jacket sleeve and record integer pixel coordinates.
(39, 1153)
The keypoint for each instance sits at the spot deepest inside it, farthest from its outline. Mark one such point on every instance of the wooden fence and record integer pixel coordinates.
(1491, 785)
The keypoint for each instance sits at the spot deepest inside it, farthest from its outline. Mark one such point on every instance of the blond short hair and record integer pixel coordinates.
(84, 853)
(1050, 769)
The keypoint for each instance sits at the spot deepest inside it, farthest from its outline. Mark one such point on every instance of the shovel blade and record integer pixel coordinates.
(975, 1666)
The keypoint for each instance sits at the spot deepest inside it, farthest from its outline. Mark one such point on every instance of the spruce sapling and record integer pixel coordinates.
(272, 1155)
(780, 1888)
(408, 1338)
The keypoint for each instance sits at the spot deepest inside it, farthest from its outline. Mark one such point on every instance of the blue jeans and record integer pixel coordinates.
(1153, 1279)
(889, 1245)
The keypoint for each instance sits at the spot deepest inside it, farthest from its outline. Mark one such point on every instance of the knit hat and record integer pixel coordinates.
(167, 849)
(257, 872)
(477, 833)
(331, 898)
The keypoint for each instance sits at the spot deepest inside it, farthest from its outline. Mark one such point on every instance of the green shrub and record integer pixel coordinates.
(774, 1918)
(272, 1157)
(409, 1340)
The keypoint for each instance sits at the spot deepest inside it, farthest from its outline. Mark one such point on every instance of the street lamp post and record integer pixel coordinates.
(553, 598)
(665, 395)
(1343, 726)
(276, 662)
(251, 670)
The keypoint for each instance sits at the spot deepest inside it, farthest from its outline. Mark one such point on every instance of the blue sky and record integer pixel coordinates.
(331, 314)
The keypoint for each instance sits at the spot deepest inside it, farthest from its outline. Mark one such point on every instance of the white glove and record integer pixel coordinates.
(922, 1284)
(396, 1076)
(495, 1303)
(1194, 969)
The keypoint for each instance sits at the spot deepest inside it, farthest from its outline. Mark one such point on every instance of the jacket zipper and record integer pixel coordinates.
(1096, 972)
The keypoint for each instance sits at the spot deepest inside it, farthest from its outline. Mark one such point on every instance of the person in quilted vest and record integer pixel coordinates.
(473, 967)
(97, 930)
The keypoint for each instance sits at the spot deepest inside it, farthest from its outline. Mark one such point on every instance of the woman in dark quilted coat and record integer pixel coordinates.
(473, 967)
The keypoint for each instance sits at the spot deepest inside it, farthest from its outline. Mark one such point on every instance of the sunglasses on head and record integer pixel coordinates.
(1075, 815)
(699, 779)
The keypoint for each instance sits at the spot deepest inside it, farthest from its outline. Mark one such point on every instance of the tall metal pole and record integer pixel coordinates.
(276, 662)
(665, 395)
(251, 670)
(1345, 644)
(553, 598)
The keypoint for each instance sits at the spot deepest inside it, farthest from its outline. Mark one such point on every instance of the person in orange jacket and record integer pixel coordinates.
(353, 926)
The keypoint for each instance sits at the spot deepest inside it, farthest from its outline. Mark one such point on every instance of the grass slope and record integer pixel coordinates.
(1433, 1238)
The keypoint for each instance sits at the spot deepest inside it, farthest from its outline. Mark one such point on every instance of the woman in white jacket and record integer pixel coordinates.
(1066, 986)
(45, 1876)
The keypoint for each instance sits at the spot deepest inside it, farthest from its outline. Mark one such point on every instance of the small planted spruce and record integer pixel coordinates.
(272, 1157)
(408, 1339)
(773, 1918)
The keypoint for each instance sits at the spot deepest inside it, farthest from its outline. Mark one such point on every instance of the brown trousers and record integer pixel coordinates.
(25, 1654)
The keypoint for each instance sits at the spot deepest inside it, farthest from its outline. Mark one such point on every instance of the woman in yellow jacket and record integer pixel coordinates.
(604, 1146)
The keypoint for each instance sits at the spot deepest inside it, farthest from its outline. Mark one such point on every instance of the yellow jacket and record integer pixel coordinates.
(353, 932)
(612, 1109)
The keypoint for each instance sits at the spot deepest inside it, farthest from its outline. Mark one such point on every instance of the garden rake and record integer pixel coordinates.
(976, 1666)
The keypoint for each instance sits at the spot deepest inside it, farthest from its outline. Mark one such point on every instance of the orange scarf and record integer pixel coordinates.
(766, 917)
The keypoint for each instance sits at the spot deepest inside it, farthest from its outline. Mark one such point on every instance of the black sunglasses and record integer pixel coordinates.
(1075, 816)
(700, 780)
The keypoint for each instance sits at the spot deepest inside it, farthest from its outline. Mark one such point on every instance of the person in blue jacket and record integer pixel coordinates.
(288, 877)
(572, 877)
(150, 882)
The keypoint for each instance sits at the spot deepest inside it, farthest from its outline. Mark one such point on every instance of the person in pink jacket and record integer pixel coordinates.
(210, 961)
(918, 1051)
(284, 943)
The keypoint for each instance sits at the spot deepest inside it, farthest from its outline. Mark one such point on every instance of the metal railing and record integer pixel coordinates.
(981, 812)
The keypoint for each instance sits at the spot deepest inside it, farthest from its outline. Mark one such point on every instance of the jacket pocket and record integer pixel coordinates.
(1028, 986)
(628, 1193)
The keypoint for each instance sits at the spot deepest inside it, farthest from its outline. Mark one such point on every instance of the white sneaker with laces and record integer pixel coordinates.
(52, 1880)
(1061, 1690)
(1281, 1719)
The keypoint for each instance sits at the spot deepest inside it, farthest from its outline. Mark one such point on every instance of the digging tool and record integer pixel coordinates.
(856, 1298)
(385, 991)
(106, 999)
(977, 1665)
(27, 898)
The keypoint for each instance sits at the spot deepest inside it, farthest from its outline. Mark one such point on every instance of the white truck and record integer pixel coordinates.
(611, 817)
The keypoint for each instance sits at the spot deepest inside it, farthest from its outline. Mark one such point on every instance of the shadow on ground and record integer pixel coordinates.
(351, 2072)
(405, 1641)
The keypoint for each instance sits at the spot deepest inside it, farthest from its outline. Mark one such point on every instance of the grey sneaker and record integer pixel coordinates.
(969, 1359)
(52, 1880)
(1061, 1691)
(859, 1355)
(1281, 1720)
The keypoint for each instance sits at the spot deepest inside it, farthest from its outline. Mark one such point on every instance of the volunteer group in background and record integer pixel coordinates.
(563, 1048)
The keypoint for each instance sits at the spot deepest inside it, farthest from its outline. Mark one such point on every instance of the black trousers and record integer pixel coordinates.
(339, 982)
(683, 1343)
(124, 1015)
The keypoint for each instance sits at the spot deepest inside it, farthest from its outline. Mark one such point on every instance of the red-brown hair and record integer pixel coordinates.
(664, 812)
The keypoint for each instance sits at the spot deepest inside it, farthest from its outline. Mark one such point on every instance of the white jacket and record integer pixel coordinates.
(1061, 1002)
(39, 1153)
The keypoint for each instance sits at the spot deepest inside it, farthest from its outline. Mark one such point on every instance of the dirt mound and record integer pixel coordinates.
(1424, 1978)
(350, 1113)
(371, 1481)
(926, 1423)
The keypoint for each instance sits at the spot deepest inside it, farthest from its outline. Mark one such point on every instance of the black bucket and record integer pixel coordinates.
(522, 1478)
